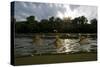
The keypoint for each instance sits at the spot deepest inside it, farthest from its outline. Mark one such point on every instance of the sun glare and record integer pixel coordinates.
(67, 13)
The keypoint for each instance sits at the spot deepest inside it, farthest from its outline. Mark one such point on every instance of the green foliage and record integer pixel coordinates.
(80, 20)
(94, 21)
(67, 25)
(30, 19)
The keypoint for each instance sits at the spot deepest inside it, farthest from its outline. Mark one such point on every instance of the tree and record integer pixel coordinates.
(67, 25)
(58, 20)
(94, 21)
(67, 19)
(75, 21)
(51, 22)
(30, 19)
(83, 20)
(94, 25)
(32, 24)
(58, 24)
(80, 20)
(52, 19)
(44, 25)
(44, 21)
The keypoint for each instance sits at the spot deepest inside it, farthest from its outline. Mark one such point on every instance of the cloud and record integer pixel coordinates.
(88, 11)
(46, 10)
(72, 7)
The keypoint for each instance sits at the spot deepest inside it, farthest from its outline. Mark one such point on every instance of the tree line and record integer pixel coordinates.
(55, 24)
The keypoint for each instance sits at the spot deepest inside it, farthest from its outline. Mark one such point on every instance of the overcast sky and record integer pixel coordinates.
(46, 10)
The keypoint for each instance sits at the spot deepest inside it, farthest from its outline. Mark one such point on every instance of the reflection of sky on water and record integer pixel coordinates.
(24, 46)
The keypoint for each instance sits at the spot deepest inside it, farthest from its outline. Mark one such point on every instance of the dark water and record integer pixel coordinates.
(25, 46)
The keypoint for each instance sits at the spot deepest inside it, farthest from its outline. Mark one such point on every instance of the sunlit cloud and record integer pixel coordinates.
(46, 10)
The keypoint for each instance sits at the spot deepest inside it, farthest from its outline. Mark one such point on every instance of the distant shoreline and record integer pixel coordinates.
(52, 35)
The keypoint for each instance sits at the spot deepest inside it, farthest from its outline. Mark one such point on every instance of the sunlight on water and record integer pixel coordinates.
(25, 46)
(71, 45)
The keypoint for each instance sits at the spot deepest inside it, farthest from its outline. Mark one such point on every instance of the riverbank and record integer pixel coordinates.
(63, 58)
(53, 35)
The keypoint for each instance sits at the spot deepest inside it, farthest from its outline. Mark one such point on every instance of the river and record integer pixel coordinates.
(25, 46)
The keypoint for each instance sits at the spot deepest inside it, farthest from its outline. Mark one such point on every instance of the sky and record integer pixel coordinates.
(46, 10)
